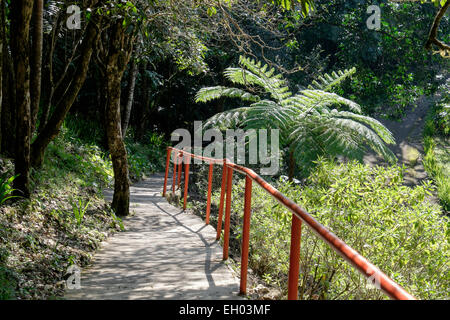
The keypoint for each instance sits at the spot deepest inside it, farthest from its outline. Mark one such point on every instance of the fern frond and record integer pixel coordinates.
(272, 83)
(362, 133)
(211, 93)
(376, 125)
(328, 82)
(227, 119)
(319, 99)
(268, 114)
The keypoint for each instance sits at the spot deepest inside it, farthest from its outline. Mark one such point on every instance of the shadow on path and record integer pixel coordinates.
(164, 253)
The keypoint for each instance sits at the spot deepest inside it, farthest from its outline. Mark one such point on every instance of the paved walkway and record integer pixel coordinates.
(164, 253)
(408, 136)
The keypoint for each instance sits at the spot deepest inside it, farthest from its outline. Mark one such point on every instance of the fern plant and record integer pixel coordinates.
(6, 191)
(314, 122)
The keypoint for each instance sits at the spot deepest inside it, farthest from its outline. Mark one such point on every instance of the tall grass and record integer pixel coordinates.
(437, 149)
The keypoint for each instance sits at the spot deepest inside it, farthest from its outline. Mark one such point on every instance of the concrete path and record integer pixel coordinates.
(408, 136)
(164, 253)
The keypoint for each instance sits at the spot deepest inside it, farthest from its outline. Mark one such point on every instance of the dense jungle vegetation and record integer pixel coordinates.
(92, 90)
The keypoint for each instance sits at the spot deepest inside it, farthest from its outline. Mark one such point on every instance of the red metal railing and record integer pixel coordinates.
(299, 216)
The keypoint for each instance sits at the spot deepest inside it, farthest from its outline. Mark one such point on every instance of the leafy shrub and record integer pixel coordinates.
(146, 158)
(393, 226)
(442, 116)
(83, 130)
(437, 159)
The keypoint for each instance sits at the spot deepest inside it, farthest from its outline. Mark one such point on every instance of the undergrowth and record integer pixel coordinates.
(66, 218)
(437, 148)
(395, 227)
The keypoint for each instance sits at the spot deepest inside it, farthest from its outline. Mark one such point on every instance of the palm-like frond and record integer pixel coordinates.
(227, 119)
(328, 81)
(211, 93)
(252, 73)
(307, 99)
(312, 123)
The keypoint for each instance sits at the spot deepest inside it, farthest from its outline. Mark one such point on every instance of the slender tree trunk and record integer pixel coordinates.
(1, 71)
(130, 96)
(21, 11)
(140, 114)
(8, 120)
(117, 60)
(36, 61)
(53, 126)
(291, 166)
(48, 95)
(121, 198)
(9, 101)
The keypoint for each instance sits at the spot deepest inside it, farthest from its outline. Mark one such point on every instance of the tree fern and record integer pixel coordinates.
(312, 123)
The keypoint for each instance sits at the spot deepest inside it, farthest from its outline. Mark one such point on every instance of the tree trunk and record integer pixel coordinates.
(121, 198)
(1, 70)
(130, 96)
(140, 114)
(21, 11)
(117, 60)
(36, 61)
(291, 166)
(48, 75)
(53, 126)
(8, 119)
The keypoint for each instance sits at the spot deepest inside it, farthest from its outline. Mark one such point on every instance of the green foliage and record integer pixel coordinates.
(62, 224)
(8, 280)
(6, 189)
(439, 122)
(211, 93)
(436, 143)
(394, 69)
(312, 123)
(393, 226)
(438, 169)
(328, 82)
(82, 163)
(307, 6)
(79, 208)
(8, 284)
(77, 149)
(82, 130)
(117, 221)
(146, 158)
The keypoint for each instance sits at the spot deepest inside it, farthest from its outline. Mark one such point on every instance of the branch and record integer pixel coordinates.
(432, 37)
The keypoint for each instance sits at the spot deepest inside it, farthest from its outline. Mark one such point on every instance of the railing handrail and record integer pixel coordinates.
(366, 268)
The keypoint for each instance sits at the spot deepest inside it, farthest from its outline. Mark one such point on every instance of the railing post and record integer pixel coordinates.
(246, 234)
(179, 170)
(222, 198)
(166, 175)
(175, 161)
(226, 238)
(294, 258)
(208, 197)
(186, 180)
